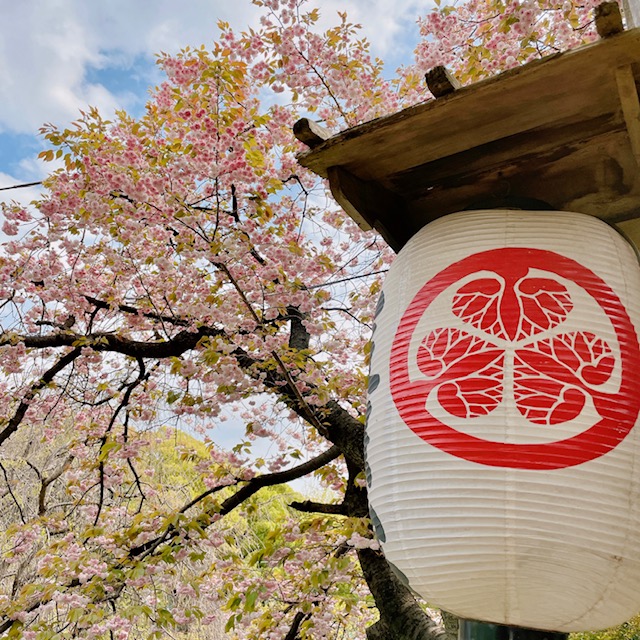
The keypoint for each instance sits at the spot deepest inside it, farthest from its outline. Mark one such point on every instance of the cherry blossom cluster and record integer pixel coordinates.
(185, 316)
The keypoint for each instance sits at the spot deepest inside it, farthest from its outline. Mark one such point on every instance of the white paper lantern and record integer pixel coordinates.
(503, 459)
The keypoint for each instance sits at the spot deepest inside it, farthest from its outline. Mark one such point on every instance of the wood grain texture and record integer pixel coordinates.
(310, 133)
(628, 93)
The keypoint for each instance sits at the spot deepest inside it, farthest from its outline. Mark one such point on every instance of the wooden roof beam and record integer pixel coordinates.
(608, 19)
(441, 82)
(368, 203)
(371, 206)
(565, 129)
(310, 133)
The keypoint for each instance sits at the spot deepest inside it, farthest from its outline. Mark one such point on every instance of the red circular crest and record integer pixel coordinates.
(511, 315)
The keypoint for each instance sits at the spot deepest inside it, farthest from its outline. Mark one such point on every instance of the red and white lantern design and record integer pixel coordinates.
(503, 459)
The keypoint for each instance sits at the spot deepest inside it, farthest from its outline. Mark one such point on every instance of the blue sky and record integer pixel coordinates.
(58, 56)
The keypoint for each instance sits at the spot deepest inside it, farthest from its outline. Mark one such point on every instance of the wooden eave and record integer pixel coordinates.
(564, 129)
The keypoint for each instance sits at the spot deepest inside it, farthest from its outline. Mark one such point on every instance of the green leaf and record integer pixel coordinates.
(107, 448)
(250, 601)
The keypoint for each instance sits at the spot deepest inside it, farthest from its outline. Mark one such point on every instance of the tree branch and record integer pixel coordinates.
(126, 308)
(142, 376)
(176, 346)
(299, 337)
(46, 482)
(309, 506)
(46, 379)
(348, 279)
(332, 420)
(298, 619)
(13, 496)
(21, 186)
(401, 616)
(280, 477)
(253, 486)
(294, 392)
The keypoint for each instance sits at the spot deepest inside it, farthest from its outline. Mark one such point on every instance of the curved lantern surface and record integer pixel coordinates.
(502, 458)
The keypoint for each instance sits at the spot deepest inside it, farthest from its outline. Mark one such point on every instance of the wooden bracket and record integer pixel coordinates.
(371, 206)
(608, 19)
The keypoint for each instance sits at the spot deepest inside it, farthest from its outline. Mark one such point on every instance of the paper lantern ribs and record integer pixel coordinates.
(501, 443)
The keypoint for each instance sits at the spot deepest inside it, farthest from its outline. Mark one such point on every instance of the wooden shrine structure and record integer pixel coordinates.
(564, 130)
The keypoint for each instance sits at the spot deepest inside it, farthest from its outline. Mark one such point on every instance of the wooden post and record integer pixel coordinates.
(441, 82)
(630, 103)
(631, 10)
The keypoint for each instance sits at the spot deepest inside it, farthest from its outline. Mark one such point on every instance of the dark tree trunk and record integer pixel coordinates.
(401, 617)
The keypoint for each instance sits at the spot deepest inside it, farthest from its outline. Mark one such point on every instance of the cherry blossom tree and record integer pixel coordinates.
(183, 274)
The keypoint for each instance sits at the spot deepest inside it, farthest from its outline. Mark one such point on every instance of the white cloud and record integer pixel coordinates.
(33, 168)
(384, 23)
(43, 57)
(48, 46)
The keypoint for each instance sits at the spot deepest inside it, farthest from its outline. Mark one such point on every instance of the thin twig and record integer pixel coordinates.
(6, 477)
(332, 282)
(45, 380)
(21, 186)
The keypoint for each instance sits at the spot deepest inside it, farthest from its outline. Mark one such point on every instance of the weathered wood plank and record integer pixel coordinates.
(551, 142)
(345, 188)
(370, 205)
(594, 177)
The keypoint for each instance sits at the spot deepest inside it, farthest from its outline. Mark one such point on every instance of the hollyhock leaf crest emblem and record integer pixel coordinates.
(512, 310)
(513, 342)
